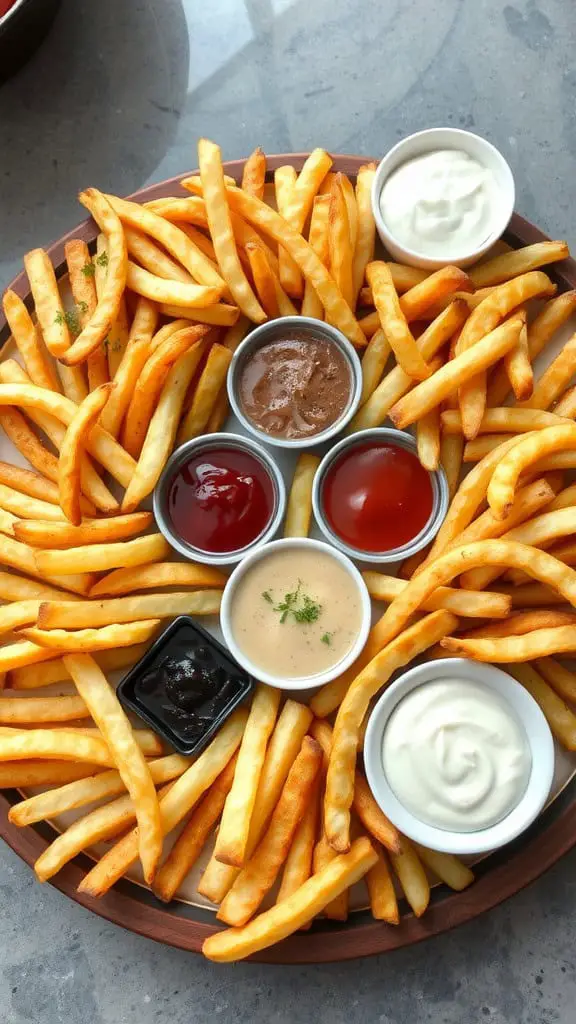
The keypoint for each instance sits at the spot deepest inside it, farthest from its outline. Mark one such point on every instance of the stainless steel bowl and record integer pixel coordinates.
(204, 444)
(440, 497)
(275, 329)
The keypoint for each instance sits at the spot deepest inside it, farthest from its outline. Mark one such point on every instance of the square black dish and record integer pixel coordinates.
(185, 686)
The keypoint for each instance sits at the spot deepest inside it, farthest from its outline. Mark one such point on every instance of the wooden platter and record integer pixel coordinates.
(185, 926)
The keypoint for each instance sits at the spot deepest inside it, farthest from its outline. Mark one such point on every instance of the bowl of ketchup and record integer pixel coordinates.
(373, 499)
(219, 497)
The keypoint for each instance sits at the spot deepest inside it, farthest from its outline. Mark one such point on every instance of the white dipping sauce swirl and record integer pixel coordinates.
(455, 755)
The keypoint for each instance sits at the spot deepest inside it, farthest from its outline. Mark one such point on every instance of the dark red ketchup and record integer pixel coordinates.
(221, 500)
(377, 497)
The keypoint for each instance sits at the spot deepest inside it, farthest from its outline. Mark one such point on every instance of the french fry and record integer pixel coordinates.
(554, 313)
(429, 393)
(53, 745)
(383, 902)
(436, 287)
(538, 644)
(364, 248)
(503, 420)
(560, 718)
(174, 805)
(262, 869)
(340, 779)
(18, 613)
(79, 792)
(21, 557)
(337, 310)
(519, 368)
(25, 774)
(374, 362)
(298, 866)
(29, 342)
(472, 604)
(150, 383)
(340, 243)
(154, 259)
(111, 719)
(530, 595)
(521, 623)
(33, 484)
(555, 378)
(295, 210)
(24, 506)
(28, 444)
(81, 273)
(396, 383)
(318, 239)
(33, 677)
(47, 301)
(163, 426)
(566, 405)
(219, 315)
(475, 450)
(337, 909)
(191, 840)
(299, 509)
(412, 877)
(171, 238)
(233, 834)
(215, 197)
(254, 173)
(447, 867)
(86, 614)
(518, 261)
(131, 365)
(41, 534)
(158, 289)
(394, 323)
(561, 679)
(88, 640)
(263, 279)
(211, 380)
(529, 450)
(286, 917)
(7, 522)
(116, 341)
(428, 439)
(152, 548)
(158, 574)
(16, 588)
(291, 727)
(69, 463)
(39, 710)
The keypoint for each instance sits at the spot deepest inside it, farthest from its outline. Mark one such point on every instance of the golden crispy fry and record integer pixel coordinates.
(81, 273)
(318, 239)
(150, 384)
(292, 724)
(295, 209)
(555, 378)
(286, 917)
(154, 259)
(560, 718)
(158, 289)
(174, 805)
(33, 484)
(69, 463)
(219, 315)
(433, 289)
(233, 834)
(503, 420)
(338, 312)
(521, 623)
(340, 243)
(566, 406)
(211, 380)
(412, 877)
(28, 444)
(47, 301)
(111, 719)
(88, 640)
(394, 322)
(340, 780)
(431, 392)
(374, 362)
(364, 249)
(519, 368)
(93, 531)
(483, 320)
(529, 450)
(538, 644)
(26, 507)
(33, 677)
(561, 679)
(38, 710)
(428, 439)
(21, 557)
(152, 548)
(18, 613)
(191, 840)
(78, 793)
(16, 588)
(396, 383)
(87, 614)
(29, 342)
(518, 261)
(159, 574)
(472, 604)
(530, 595)
(53, 745)
(538, 532)
(298, 866)
(336, 909)
(163, 426)
(263, 279)
(383, 902)
(116, 341)
(261, 871)
(254, 173)
(7, 522)
(131, 365)
(451, 452)
(215, 197)
(299, 510)
(483, 445)
(25, 774)
(447, 867)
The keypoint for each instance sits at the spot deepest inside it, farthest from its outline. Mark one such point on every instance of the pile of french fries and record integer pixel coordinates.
(104, 387)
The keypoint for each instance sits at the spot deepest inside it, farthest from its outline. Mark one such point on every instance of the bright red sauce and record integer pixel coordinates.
(377, 497)
(5, 6)
(221, 500)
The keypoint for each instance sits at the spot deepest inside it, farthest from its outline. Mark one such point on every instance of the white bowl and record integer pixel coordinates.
(426, 142)
(539, 739)
(300, 682)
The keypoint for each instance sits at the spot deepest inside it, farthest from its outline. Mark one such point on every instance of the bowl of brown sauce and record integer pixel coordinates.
(295, 382)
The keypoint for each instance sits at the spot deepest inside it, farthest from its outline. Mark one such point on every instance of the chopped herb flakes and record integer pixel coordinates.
(102, 259)
(89, 269)
(295, 603)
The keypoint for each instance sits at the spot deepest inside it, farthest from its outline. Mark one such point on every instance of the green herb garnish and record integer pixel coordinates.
(70, 318)
(89, 269)
(327, 639)
(267, 597)
(297, 604)
(102, 259)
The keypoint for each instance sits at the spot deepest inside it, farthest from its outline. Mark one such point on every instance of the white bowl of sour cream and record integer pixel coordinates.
(442, 196)
(459, 756)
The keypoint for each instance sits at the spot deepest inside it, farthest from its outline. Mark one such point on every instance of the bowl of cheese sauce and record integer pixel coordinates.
(459, 756)
(442, 196)
(297, 612)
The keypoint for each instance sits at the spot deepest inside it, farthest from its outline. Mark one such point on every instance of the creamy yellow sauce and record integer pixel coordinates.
(272, 637)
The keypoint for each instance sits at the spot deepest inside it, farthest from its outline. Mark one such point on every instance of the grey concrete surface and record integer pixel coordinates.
(116, 98)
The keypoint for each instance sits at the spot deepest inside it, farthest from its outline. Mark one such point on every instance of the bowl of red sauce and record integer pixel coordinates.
(219, 497)
(374, 501)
